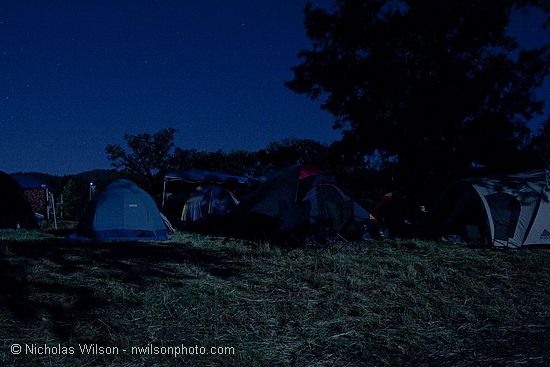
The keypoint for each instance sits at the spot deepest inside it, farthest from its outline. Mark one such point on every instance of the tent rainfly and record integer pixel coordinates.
(301, 195)
(14, 208)
(511, 211)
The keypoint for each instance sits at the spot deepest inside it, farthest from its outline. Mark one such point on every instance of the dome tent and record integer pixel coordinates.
(122, 212)
(508, 211)
(302, 198)
(14, 207)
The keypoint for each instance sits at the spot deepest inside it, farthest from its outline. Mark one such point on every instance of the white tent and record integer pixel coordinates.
(510, 211)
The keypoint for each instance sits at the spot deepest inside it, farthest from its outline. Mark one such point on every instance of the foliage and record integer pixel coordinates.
(146, 158)
(438, 84)
(75, 198)
(76, 190)
(288, 152)
(238, 162)
(276, 155)
(541, 143)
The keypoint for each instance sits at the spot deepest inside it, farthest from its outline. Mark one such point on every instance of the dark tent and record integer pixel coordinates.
(208, 200)
(122, 212)
(178, 188)
(37, 193)
(14, 207)
(301, 197)
(509, 211)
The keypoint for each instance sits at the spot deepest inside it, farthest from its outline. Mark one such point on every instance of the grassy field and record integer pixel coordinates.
(376, 304)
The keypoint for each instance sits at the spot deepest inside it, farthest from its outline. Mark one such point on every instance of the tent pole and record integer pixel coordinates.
(163, 193)
(47, 202)
(54, 216)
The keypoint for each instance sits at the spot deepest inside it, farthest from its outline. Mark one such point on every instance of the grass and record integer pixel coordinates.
(378, 304)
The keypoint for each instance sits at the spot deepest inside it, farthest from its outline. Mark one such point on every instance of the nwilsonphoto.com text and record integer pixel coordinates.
(96, 349)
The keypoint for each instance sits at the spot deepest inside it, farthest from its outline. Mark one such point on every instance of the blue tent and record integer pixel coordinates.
(122, 212)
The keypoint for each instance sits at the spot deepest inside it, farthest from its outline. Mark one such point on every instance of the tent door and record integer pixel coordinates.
(505, 210)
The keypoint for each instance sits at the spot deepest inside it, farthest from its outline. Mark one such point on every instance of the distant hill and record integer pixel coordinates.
(97, 175)
(100, 178)
(26, 179)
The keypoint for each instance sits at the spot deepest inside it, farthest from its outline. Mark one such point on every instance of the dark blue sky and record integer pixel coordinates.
(75, 76)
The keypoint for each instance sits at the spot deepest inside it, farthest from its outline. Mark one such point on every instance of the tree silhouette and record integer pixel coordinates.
(439, 84)
(541, 143)
(277, 155)
(237, 162)
(287, 152)
(146, 158)
(74, 199)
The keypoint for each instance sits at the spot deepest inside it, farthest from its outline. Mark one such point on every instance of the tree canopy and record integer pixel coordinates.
(146, 158)
(440, 84)
(541, 143)
(277, 155)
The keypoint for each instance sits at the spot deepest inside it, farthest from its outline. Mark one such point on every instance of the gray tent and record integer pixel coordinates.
(301, 195)
(122, 212)
(510, 211)
(324, 199)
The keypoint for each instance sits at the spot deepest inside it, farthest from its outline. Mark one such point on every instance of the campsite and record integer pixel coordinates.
(275, 183)
(121, 279)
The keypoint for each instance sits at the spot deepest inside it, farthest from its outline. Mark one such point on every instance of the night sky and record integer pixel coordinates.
(75, 76)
